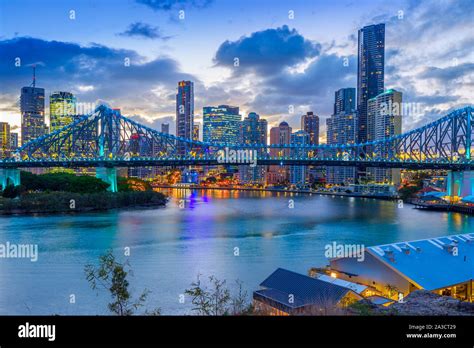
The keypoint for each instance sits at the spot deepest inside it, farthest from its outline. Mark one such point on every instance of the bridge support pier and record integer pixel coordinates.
(9, 176)
(108, 175)
(460, 184)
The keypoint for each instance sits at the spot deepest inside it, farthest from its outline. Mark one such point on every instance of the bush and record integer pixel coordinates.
(62, 182)
(11, 191)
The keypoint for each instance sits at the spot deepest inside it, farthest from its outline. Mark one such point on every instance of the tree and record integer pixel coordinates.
(11, 191)
(112, 276)
(239, 301)
(209, 302)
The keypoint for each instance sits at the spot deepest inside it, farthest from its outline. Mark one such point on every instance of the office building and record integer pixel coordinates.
(279, 175)
(384, 120)
(184, 113)
(221, 124)
(341, 128)
(62, 109)
(254, 131)
(32, 113)
(298, 174)
(370, 72)
(5, 140)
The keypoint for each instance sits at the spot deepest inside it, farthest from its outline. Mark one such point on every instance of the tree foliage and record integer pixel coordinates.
(62, 182)
(111, 276)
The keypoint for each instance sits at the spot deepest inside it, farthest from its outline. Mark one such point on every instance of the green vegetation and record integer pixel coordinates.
(217, 299)
(66, 192)
(111, 276)
(62, 182)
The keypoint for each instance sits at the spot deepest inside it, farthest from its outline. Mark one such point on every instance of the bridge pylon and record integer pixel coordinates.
(9, 176)
(460, 184)
(108, 175)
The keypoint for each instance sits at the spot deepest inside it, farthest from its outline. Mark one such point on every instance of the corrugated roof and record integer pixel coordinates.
(358, 288)
(305, 290)
(430, 263)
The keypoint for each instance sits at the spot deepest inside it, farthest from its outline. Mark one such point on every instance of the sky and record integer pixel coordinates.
(292, 55)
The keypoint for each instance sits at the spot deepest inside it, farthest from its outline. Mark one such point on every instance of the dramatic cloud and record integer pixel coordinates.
(143, 30)
(122, 77)
(266, 51)
(168, 5)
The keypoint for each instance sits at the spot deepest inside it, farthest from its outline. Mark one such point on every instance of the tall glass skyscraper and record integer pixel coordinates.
(254, 131)
(384, 121)
(32, 113)
(279, 135)
(184, 112)
(298, 174)
(221, 124)
(62, 108)
(370, 72)
(5, 140)
(341, 129)
(310, 124)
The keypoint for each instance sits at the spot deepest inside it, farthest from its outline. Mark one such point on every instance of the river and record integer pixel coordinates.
(229, 234)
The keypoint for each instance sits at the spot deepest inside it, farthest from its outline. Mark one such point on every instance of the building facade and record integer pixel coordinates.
(184, 113)
(341, 128)
(62, 109)
(5, 140)
(253, 131)
(280, 135)
(221, 124)
(370, 72)
(298, 174)
(32, 114)
(384, 120)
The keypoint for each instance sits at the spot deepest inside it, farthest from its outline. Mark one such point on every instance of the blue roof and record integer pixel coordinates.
(468, 199)
(430, 263)
(305, 290)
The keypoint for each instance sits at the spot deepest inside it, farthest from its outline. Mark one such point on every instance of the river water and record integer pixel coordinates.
(229, 234)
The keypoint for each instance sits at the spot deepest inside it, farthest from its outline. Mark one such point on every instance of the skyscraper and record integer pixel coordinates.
(384, 121)
(62, 108)
(344, 100)
(32, 113)
(310, 124)
(5, 140)
(184, 113)
(279, 135)
(165, 128)
(370, 72)
(14, 144)
(196, 127)
(254, 131)
(221, 124)
(341, 129)
(298, 174)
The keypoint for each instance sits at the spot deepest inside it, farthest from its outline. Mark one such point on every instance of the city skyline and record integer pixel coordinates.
(294, 69)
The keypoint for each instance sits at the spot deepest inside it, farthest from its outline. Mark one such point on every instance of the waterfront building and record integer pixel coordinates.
(384, 120)
(32, 113)
(184, 113)
(253, 131)
(341, 128)
(370, 72)
(442, 265)
(5, 140)
(298, 174)
(289, 293)
(221, 124)
(62, 109)
(280, 135)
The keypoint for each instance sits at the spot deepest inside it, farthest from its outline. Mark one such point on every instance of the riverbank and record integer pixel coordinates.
(70, 202)
(464, 209)
(311, 192)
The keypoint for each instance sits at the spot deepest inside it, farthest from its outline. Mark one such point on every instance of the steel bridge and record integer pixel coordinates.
(105, 139)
